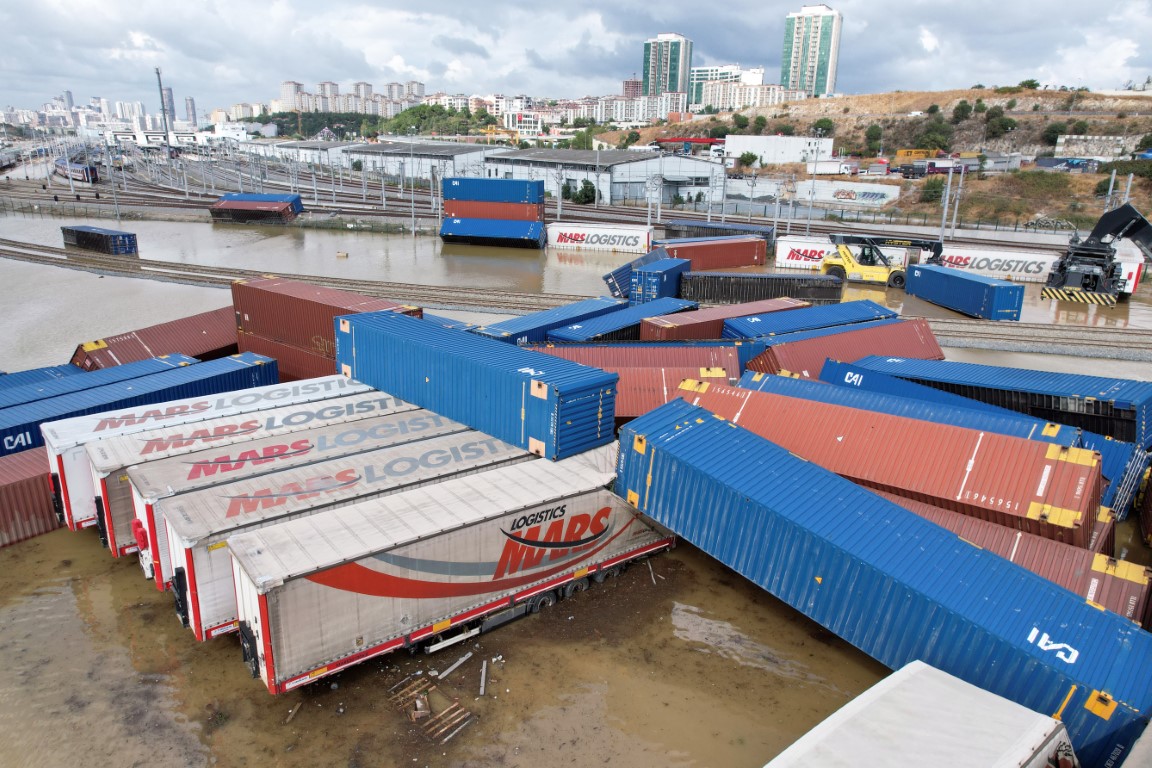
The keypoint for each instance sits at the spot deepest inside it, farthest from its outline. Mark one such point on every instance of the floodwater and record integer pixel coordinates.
(679, 662)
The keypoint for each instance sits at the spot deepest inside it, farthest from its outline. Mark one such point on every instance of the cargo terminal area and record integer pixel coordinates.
(354, 511)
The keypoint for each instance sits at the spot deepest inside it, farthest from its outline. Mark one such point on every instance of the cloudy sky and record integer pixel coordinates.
(221, 53)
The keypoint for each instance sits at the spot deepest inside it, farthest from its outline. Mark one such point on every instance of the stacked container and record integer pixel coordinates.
(737, 287)
(709, 323)
(550, 407)
(498, 212)
(206, 336)
(33, 375)
(970, 294)
(30, 393)
(718, 252)
(812, 318)
(658, 280)
(695, 228)
(293, 322)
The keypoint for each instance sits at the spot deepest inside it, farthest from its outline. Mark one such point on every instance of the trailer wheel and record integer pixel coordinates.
(835, 271)
(896, 280)
(544, 600)
(604, 574)
(572, 587)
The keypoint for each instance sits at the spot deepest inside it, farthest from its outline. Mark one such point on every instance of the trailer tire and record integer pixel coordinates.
(896, 280)
(574, 586)
(544, 600)
(610, 572)
(836, 272)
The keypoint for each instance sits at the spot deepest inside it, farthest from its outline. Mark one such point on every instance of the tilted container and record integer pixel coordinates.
(810, 319)
(618, 326)
(739, 287)
(534, 327)
(719, 253)
(204, 336)
(708, 323)
(26, 508)
(967, 293)
(804, 353)
(30, 393)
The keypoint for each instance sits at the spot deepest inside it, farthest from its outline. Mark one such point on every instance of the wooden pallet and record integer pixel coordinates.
(415, 696)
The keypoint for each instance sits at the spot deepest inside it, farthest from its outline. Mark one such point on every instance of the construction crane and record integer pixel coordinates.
(491, 130)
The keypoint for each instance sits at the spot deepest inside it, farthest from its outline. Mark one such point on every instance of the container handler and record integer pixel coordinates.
(1089, 272)
(872, 265)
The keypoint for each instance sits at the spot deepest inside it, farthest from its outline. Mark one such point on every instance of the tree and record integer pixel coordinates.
(933, 109)
(825, 126)
(1144, 143)
(357, 165)
(980, 106)
(1030, 84)
(978, 87)
(718, 132)
(1052, 132)
(933, 190)
(631, 138)
(759, 124)
(994, 113)
(874, 135)
(740, 121)
(934, 134)
(1011, 104)
(581, 140)
(999, 126)
(747, 159)
(784, 129)
(962, 111)
(586, 194)
(1079, 128)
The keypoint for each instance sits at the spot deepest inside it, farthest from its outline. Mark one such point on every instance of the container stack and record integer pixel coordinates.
(496, 212)
(244, 207)
(110, 241)
(292, 321)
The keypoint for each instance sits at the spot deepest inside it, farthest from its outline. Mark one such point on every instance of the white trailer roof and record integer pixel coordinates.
(115, 453)
(919, 716)
(68, 433)
(223, 509)
(270, 556)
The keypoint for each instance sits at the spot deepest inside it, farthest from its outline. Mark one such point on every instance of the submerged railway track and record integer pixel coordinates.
(1083, 341)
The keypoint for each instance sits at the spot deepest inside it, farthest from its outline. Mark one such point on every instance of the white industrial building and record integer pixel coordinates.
(773, 150)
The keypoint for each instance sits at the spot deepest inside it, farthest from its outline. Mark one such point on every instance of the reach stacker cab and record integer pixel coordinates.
(872, 265)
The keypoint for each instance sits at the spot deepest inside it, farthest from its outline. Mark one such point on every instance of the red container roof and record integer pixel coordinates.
(710, 320)
(206, 336)
(616, 356)
(805, 358)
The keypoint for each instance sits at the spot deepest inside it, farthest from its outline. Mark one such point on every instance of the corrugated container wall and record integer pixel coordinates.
(658, 280)
(719, 253)
(299, 313)
(805, 356)
(494, 190)
(110, 241)
(295, 202)
(205, 336)
(475, 209)
(975, 295)
(894, 585)
(26, 508)
(616, 356)
(534, 327)
(619, 326)
(642, 389)
(33, 375)
(619, 280)
(708, 323)
(295, 363)
(30, 393)
(494, 232)
(852, 375)
(1051, 490)
(695, 228)
(550, 407)
(1119, 408)
(775, 324)
(735, 288)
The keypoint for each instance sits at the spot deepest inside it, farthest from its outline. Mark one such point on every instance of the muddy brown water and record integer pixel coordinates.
(686, 664)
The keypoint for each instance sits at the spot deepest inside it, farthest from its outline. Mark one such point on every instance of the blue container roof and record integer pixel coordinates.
(254, 197)
(1003, 423)
(806, 319)
(28, 393)
(448, 322)
(563, 375)
(661, 266)
(552, 318)
(616, 321)
(32, 375)
(861, 559)
(619, 280)
(98, 230)
(504, 229)
(816, 333)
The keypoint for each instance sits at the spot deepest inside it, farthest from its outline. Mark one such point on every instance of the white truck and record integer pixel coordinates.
(427, 568)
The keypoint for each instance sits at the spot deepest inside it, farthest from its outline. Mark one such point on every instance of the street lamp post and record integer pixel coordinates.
(818, 133)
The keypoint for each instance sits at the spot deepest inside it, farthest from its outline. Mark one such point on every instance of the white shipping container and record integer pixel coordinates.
(919, 716)
(65, 439)
(629, 238)
(177, 456)
(436, 565)
(196, 525)
(154, 482)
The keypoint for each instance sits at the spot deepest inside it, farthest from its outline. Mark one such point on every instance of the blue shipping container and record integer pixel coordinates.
(975, 295)
(1119, 408)
(20, 425)
(112, 241)
(448, 322)
(533, 328)
(1002, 423)
(33, 375)
(658, 280)
(1122, 465)
(894, 585)
(619, 280)
(852, 375)
(619, 326)
(297, 203)
(32, 392)
(493, 190)
(548, 406)
(805, 319)
(494, 232)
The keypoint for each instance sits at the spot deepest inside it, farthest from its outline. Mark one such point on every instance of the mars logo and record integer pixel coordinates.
(155, 414)
(181, 440)
(959, 262)
(796, 254)
(269, 453)
(270, 498)
(528, 540)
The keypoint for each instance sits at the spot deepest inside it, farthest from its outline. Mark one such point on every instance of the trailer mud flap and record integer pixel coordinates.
(101, 524)
(248, 651)
(180, 595)
(57, 499)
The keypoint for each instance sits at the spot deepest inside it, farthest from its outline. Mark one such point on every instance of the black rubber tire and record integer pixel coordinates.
(836, 272)
(896, 280)
(574, 586)
(545, 600)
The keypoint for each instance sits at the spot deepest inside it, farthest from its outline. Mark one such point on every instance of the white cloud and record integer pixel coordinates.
(928, 41)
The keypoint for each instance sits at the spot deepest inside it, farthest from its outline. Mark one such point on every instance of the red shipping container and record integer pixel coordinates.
(721, 254)
(477, 209)
(1119, 586)
(294, 363)
(805, 358)
(26, 508)
(1103, 538)
(299, 313)
(642, 389)
(206, 336)
(615, 356)
(1040, 488)
(709, 323)
(1145, 513)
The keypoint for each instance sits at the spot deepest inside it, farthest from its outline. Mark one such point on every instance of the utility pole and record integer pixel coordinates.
(163, 117)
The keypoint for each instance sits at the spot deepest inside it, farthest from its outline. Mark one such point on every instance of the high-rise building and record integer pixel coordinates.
(414, 89)
(362, 89)
(729, 73)
(190, 110)
(68, 100)
(811, 50)
(633, 88)
(289, 95)
(329, 89)
(667, 60)
(169, 105)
